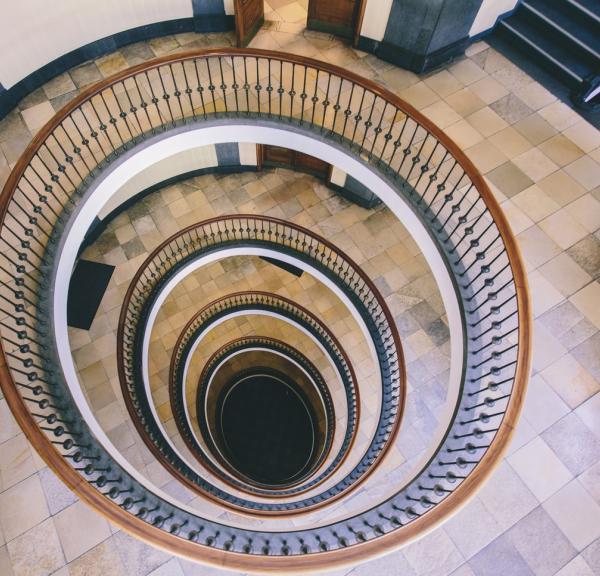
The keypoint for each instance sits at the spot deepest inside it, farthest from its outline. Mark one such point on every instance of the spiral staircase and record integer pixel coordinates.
(326, 502)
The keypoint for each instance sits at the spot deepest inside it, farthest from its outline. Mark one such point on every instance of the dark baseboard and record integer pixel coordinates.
(214, 23)
(411, 60)
(10, 97)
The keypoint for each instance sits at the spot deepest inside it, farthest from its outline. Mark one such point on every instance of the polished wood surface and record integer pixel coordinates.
(249, 17)
(312, 562)
(278, 156)
(341, 17)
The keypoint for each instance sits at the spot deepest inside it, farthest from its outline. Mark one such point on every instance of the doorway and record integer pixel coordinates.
(340, 17)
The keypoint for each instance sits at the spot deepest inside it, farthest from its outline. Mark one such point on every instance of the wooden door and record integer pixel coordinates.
(284, 157)
(249, 17)
(340, 17)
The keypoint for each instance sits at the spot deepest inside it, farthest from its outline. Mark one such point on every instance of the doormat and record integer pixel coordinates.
(86, 289)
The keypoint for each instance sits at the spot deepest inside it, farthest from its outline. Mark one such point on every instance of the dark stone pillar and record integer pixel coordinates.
(209, 16)
(423, 34)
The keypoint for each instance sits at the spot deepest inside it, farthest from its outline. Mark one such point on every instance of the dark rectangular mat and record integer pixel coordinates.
(86, 289)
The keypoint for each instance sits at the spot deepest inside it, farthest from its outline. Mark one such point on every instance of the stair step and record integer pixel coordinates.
(572, 69)
(578, 33)
(586, 8)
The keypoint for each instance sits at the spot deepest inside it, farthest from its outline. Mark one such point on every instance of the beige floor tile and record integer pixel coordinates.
(537, 247)
(587, 300)
(570, 380)
(420, 95)
(36, 116)
(79, 529)
(559, 115)
(535, 95)
(535, 164)
(563, 229)
(543, 407)
(583, 135)
(589, 411)
(510, 142)
(464, 134)
(466, 72)
(575, 513)
(509, 179)
(565, 275)
(540, 469)
(561, 150)
(486, 156)
(8, 425)
(22, 507)
(37, 552)
(103, 560)
(535, 129)
(586, 210)
(442, 114)
(58, 86)
(545, 293)
(517, 219)
(111, 64)
(5, 563)
(561, 188)
(465, 102)
(443, 83)
(546, 348)
(535, 203)
(16, 462)
(486, 121)
(488, 90)
(586, 171)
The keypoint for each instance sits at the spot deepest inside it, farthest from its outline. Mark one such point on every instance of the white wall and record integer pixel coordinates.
(229, 8)
(377, 13)
(488, 13)
(180, 163)
(35, 32)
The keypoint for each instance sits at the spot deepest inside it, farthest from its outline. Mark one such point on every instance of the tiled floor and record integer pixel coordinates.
(373, 238)
(540, 512)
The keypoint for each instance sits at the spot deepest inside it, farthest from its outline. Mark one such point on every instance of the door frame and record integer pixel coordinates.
(358, 20)
(360, 15)
(256, 26)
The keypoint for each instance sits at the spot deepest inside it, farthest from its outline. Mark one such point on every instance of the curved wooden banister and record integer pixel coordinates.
(223, 354)
(249, 230)
(413, 525)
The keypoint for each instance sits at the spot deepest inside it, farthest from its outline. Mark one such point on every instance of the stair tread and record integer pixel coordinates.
(576, 29)
(555, 54)
(589, 7)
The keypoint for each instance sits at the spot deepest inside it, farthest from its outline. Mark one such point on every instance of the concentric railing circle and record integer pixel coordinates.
(246, 231)
(428, 170)
(214, 364)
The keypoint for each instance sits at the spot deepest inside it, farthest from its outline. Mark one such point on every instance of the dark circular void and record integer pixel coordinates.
(267, 429)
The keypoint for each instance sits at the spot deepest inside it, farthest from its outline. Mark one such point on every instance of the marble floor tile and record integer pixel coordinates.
(80, 528)
(576, 514)
(541, 543)
(22, 507)
(540, 469)
(500, 558)
(37, 552)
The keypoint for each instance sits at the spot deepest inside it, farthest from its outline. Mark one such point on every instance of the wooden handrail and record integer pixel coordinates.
(333, 558)
(261, 343)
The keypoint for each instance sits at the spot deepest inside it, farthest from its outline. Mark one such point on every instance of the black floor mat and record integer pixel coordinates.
(88, 284)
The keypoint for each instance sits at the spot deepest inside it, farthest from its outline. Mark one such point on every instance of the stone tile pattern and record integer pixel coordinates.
(549, 186)
(373, 238)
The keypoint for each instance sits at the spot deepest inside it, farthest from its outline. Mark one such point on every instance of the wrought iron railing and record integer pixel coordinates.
(264, 344)
(247, 232)
(426, 168)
